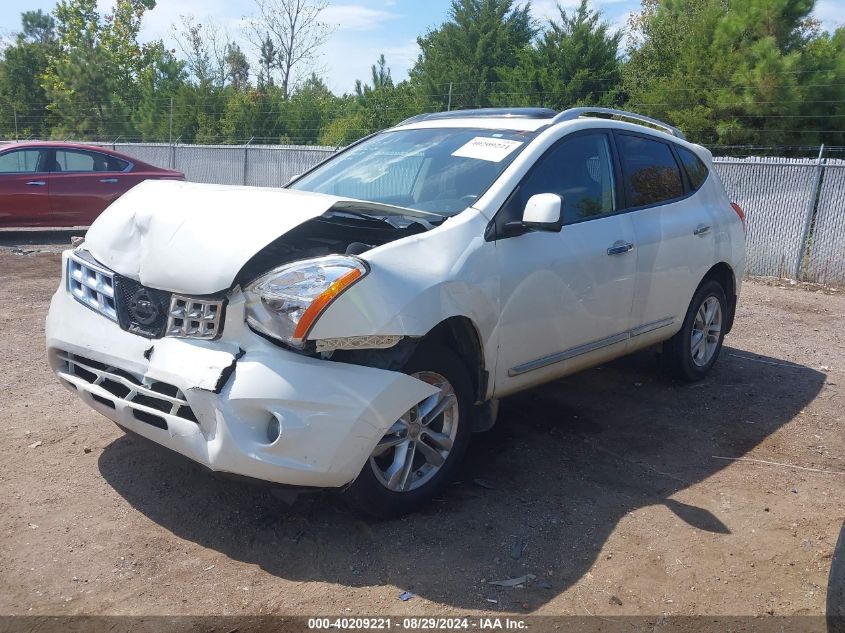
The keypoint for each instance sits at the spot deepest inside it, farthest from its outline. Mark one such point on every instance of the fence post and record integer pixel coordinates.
(804, 246)
(16, 123)
(173, 153)
(246, 158)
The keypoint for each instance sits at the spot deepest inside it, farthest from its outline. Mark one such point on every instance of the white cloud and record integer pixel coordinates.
(355, 17)
(345, 61)
(402, 57)
(830, 13)
(547, 9)
(157, 23)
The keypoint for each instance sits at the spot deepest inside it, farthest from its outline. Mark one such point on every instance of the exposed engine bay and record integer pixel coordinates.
(333, 233)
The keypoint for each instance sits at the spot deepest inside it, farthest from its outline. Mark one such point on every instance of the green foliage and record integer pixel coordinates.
(92, 76)
(37, 27)
(470, 52)
(307, 112)
(736, 71)
(21, 90)
(574, 62)
(725, 71)
(159, 86)
(237, 67)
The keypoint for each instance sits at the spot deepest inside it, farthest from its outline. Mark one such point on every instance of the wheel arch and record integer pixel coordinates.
(723, 274)
(460, 334)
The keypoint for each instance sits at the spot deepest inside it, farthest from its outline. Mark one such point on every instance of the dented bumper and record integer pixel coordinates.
(213, 401)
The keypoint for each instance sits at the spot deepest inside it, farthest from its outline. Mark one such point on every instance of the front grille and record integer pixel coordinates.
(194, 318)
(147, 398)
(91, 285)
(139, 309)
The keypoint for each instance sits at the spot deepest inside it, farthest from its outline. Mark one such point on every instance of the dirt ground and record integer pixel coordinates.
(618, 489)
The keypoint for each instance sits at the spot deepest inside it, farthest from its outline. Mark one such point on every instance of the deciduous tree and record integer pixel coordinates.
(287, 36)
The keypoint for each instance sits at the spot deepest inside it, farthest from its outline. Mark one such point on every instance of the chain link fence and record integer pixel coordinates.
(825, 244)
(795, 207)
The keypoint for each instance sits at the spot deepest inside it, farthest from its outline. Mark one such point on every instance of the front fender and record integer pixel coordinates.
(417, 282)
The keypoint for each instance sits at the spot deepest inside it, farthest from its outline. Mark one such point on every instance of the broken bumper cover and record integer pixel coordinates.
(331, 415)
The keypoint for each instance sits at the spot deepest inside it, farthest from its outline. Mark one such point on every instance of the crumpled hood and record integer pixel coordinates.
(194, 238)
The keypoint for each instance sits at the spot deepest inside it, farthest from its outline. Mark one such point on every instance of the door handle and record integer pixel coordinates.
(619, 247)
(37, 183)
(701, 229)
(108, 180)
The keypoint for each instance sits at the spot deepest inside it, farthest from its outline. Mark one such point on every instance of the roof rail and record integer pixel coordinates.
(575, 113)
(476, 113)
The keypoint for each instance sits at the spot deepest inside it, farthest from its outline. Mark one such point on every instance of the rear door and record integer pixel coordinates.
(674, 232)
(84, 183)
(24, 199)
(566, 297)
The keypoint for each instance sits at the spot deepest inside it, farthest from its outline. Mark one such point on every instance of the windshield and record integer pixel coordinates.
(438, 170)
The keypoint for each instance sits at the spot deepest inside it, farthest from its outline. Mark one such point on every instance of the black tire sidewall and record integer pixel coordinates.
(682, 346)
(367, 495)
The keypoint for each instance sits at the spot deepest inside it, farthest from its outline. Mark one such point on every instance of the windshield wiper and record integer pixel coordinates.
(351, 206)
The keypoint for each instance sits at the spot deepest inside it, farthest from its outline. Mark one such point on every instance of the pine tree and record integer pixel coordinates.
(471, 51)
(574, 62)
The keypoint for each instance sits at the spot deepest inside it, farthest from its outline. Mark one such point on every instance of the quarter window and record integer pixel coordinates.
(696, 170)
(580, 171)
(25, 161)
(652, 175)
(80, 160)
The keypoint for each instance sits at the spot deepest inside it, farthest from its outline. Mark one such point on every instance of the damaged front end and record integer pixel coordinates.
(258, 410)
(183, 361)
(294, 279)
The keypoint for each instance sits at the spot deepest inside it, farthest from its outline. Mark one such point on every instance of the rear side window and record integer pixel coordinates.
(24, 161)
(651, 173)
(80, 160)
(696, 170)
(580, 171)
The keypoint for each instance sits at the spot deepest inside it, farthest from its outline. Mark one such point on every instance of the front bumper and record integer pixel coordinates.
(331, 415)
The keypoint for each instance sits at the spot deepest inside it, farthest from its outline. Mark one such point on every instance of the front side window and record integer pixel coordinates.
(22, 161)
(437, 170)
(652, 175)
(580, 171)
(81, 160)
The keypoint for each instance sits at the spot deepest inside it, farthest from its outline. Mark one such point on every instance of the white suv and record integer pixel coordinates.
(353, 329)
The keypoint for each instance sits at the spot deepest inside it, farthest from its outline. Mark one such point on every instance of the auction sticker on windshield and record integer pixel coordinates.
(485, 148)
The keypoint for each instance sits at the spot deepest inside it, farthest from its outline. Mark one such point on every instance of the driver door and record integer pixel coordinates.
(24, 186)
(566, 297)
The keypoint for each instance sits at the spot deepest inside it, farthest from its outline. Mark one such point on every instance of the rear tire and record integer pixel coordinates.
(421, 453)
(692, 352)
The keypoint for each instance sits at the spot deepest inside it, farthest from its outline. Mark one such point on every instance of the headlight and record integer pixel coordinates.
(286, 302)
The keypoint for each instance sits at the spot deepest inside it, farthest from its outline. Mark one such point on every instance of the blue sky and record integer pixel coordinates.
(364, 28)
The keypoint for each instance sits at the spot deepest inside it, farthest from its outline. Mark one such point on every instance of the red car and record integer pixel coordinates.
(65, 184)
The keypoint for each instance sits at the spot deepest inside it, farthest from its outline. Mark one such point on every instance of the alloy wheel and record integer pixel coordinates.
(417, 445)
(706, 330)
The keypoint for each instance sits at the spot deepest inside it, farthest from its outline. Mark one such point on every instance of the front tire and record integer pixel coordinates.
(692, 352)
(420, 454)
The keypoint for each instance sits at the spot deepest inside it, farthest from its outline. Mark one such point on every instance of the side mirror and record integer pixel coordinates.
(542, 212)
